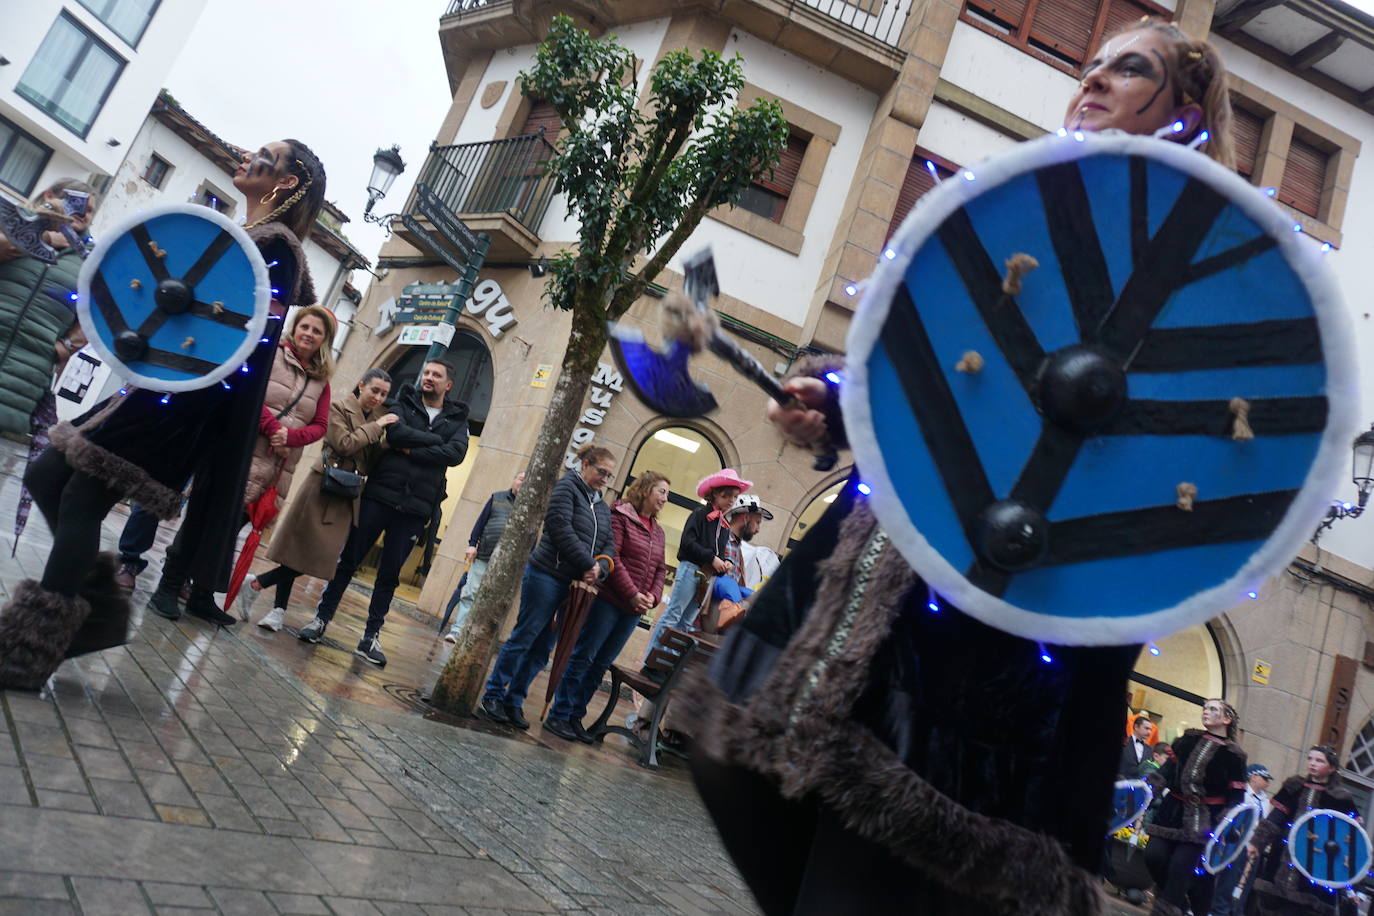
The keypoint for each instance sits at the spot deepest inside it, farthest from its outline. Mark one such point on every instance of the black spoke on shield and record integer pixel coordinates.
(1268, 417)
(1278, 342)
(1069, 215)
(145, 248)
(1225, 260)
(209, 258)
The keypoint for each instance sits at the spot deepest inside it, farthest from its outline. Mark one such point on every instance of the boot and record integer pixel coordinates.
(202, 604)
(166, 599)
(36, 627)
(108, 624)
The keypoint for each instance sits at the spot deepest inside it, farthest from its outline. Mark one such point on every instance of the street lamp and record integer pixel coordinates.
(1362, 474)
(386, 165)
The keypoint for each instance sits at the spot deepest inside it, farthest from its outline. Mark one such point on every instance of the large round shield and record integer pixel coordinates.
(1231, 836)
(1130, 798)
(1069, 462)
(174, 298)
(1330, 848)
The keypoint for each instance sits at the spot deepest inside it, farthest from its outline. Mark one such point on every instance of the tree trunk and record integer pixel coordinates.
(460, 685)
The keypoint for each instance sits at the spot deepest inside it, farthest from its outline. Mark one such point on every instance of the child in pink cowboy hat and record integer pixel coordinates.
(701, 552)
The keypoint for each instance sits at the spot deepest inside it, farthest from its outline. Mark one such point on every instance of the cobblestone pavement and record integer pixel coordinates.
(198, 770)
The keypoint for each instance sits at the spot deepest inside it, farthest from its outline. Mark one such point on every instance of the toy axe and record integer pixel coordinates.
(661, 378)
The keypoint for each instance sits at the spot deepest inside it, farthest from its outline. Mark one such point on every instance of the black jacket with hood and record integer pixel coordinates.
(411, 473)
(577, 527)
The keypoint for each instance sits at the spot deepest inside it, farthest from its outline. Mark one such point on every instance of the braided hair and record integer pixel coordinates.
(1199, 79)
(300, 210)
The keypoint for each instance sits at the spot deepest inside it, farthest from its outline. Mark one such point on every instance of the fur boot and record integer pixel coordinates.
(108, 624)
(36, 626)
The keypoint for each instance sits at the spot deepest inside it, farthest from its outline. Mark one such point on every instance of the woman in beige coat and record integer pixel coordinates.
(312, 533)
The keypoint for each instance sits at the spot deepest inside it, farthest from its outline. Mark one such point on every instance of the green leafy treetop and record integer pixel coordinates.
(637, 178)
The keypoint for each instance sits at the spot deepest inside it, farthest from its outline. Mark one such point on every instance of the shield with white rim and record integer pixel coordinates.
(1330, 848)
(174, 298)
(1130, 798)
(1100, 388)
(1231, 836)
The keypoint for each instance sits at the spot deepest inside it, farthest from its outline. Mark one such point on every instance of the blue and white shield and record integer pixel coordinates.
(1330, 848)
(1130, 798)
(1128, 438)
(174, 298)
(1231, 836)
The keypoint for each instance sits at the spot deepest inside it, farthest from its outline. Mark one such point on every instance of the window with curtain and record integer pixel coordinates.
(1062, 31)
(156, 172)
(768, 196)
(22, 159)
(1304, 176)
(920, 177)
(71, 75)
(126, 18)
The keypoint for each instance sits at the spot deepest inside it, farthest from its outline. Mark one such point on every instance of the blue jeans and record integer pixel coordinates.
(137, 538)
(463, 596)
(727, 589)
(527, 648)
(1223, 901)
(603, 635)
(680, 611)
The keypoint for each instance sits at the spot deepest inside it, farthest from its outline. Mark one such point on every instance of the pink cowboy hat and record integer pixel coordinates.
(726, 477)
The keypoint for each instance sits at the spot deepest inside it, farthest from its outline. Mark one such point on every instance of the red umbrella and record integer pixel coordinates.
(260, 511)
(570, 620)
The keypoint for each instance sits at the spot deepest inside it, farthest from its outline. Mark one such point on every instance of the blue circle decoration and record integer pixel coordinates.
(1231, 836)
(1100, 389)
(1330, 848)
(1130, 798)
(175, 298)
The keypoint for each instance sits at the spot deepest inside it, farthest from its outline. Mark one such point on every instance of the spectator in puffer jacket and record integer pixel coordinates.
(634, 586)
(577, 531)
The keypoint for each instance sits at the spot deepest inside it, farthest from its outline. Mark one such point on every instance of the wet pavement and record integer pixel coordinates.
(198, 770)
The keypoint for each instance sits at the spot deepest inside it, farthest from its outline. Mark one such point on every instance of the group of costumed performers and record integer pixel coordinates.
(1279, 889)
(1203, 780)
(862, 748)
(144, 447)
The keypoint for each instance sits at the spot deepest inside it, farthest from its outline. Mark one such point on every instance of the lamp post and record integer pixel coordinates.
(386, 165)
(1362, 474)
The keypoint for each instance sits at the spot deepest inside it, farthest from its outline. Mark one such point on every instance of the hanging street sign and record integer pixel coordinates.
(433, 208)
(433, 244)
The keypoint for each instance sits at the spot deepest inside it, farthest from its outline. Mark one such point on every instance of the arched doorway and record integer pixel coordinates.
(684, 456)
(812, 513)
(473, 380)
(1174, 676)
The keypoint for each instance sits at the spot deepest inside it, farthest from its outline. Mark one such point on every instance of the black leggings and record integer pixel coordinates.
(283, 577)
(1175, 865)
(74, 504)
(799, 860)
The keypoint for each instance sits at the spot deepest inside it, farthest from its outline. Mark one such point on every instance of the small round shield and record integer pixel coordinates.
(1231, 836)
(1130, 798)
(1099, 389)
(174, 298)
(1330, 848)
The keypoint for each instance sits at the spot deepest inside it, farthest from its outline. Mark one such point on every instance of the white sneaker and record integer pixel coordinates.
(272, 620)
(247, 596)
(451, 637)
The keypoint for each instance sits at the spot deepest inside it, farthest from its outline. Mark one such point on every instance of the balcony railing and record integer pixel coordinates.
(499, 176)
(882, 20)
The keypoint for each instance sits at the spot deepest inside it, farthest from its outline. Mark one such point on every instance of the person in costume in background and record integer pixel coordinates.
(1205, 779)
(133, 446)
(895, 777)
(1279, 889)
(310, 536)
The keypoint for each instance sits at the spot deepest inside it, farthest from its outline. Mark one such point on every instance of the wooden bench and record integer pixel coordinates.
(670, 661)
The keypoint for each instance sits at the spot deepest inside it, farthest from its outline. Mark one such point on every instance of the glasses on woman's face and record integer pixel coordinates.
(606, 474)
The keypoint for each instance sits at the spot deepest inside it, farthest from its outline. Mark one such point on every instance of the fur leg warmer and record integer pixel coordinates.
(108, 624)
(36, 626)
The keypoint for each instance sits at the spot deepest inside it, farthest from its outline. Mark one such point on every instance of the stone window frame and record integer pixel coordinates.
(1282, 120)
(821, 136)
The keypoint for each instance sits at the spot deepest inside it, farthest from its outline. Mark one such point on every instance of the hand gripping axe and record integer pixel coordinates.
(660, 377)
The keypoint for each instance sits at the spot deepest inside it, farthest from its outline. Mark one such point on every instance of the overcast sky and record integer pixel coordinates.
(343, 76)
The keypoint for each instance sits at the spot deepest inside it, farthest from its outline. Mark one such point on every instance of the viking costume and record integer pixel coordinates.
(1205, 777)
(138, 447)
(1279, 888)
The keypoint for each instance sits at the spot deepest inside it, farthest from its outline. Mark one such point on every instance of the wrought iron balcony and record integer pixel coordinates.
(498, 187)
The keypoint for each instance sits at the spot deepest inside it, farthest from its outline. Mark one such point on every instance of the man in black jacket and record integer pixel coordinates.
(402, 491)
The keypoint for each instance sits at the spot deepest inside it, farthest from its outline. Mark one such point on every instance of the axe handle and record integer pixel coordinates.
(730, 351)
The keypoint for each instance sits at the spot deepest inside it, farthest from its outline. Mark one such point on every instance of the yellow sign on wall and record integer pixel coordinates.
(1260, 673)
(542, 374)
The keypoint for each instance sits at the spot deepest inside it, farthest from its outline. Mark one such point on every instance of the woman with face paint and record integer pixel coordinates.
(935, 765)
(134, 446)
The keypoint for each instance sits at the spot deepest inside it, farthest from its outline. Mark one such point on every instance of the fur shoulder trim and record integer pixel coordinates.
(304, 292)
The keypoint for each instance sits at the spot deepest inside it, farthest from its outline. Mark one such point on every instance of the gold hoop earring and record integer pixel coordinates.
(268, 198)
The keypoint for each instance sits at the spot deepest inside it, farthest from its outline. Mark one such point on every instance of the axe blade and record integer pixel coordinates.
(661, 380)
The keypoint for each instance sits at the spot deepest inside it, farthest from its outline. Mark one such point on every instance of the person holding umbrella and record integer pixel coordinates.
(576, 543)
(634, 586)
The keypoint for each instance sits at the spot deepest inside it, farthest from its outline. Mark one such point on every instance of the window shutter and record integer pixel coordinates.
(1304, 175)
(1120, 14)
(1064, 27)
(917, 182)
(1005, 12)
(542, 114)
(1246, 128)
(785, 173)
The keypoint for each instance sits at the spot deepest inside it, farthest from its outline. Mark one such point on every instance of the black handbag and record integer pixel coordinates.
(340, 483)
